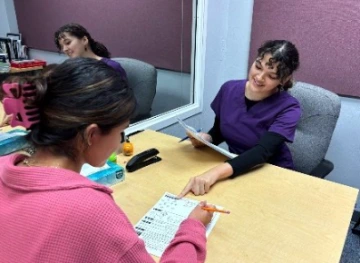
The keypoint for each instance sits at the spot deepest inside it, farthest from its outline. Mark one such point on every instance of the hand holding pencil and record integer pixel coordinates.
(202, 215)
(204, 212)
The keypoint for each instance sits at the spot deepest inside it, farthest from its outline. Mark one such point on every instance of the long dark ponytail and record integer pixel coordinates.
(79, 31)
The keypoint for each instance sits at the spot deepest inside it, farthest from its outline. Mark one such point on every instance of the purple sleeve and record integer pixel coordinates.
(115, 65)
(216, 103)
(286, 122)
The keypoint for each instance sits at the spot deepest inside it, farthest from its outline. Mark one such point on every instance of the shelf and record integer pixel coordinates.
(20, 70)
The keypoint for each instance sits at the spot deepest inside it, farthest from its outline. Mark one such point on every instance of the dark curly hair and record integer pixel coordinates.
(285, 54)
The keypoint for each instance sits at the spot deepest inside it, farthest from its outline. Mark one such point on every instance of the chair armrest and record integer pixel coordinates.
(323, 169)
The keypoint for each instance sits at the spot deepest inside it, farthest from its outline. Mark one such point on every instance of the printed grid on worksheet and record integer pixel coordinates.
(158, 227)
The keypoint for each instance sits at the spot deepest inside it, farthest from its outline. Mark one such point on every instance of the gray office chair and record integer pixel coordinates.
(142, 78)
(320, 112)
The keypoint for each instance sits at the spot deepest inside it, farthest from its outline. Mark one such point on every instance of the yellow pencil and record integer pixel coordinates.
(214, 209)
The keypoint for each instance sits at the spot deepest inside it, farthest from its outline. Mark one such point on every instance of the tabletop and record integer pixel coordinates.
(277, 215)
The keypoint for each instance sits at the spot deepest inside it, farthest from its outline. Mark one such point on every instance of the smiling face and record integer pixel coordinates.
(73, 46)
(263, 77)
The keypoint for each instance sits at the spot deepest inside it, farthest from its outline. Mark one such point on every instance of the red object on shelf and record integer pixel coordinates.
(23, 64)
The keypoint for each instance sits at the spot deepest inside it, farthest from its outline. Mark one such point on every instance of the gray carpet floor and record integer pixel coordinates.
(351, 252)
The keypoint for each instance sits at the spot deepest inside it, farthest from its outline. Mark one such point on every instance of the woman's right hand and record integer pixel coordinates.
(196, 143)
(202, 215)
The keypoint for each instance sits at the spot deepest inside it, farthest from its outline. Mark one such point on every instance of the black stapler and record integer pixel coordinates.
(143, 159)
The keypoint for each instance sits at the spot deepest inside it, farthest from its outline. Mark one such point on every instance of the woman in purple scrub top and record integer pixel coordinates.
(255, 117)
(75, 41)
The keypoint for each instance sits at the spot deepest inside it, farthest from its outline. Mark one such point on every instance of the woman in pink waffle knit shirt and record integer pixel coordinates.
(48, 211)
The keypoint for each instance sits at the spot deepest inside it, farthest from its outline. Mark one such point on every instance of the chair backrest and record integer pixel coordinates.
(320, 112)
(142, 78)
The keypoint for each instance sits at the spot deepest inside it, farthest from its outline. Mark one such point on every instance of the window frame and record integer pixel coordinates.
(198, 50)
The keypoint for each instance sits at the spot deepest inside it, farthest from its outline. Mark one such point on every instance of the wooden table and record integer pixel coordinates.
(277, 215)
(9, 128)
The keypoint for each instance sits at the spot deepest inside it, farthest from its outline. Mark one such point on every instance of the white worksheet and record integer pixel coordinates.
(196, 135)
(158, 227)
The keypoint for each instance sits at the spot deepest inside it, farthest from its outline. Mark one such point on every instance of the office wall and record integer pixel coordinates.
(4, 22)
(326, 32)
(227, 46)
(11, 16)
(8, 21)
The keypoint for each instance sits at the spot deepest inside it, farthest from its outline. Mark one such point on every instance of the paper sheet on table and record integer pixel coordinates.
(195, 134)
(160, 224)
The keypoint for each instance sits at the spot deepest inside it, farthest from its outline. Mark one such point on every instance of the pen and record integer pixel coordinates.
(187, 137)
(211, 209)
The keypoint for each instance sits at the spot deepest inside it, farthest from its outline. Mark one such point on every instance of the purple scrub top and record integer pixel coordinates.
(242, 128)
(115, 65)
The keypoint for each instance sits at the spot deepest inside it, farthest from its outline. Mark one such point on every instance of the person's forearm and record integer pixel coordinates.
(215, 133)
(188, 244)
(221, 172)
(259, 154)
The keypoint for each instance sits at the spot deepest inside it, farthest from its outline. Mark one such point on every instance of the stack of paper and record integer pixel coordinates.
(196, 135)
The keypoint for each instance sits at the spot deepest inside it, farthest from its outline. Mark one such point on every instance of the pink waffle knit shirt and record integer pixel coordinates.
(57, 215)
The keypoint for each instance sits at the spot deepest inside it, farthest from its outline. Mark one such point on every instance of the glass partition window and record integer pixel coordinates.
(166, 35)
